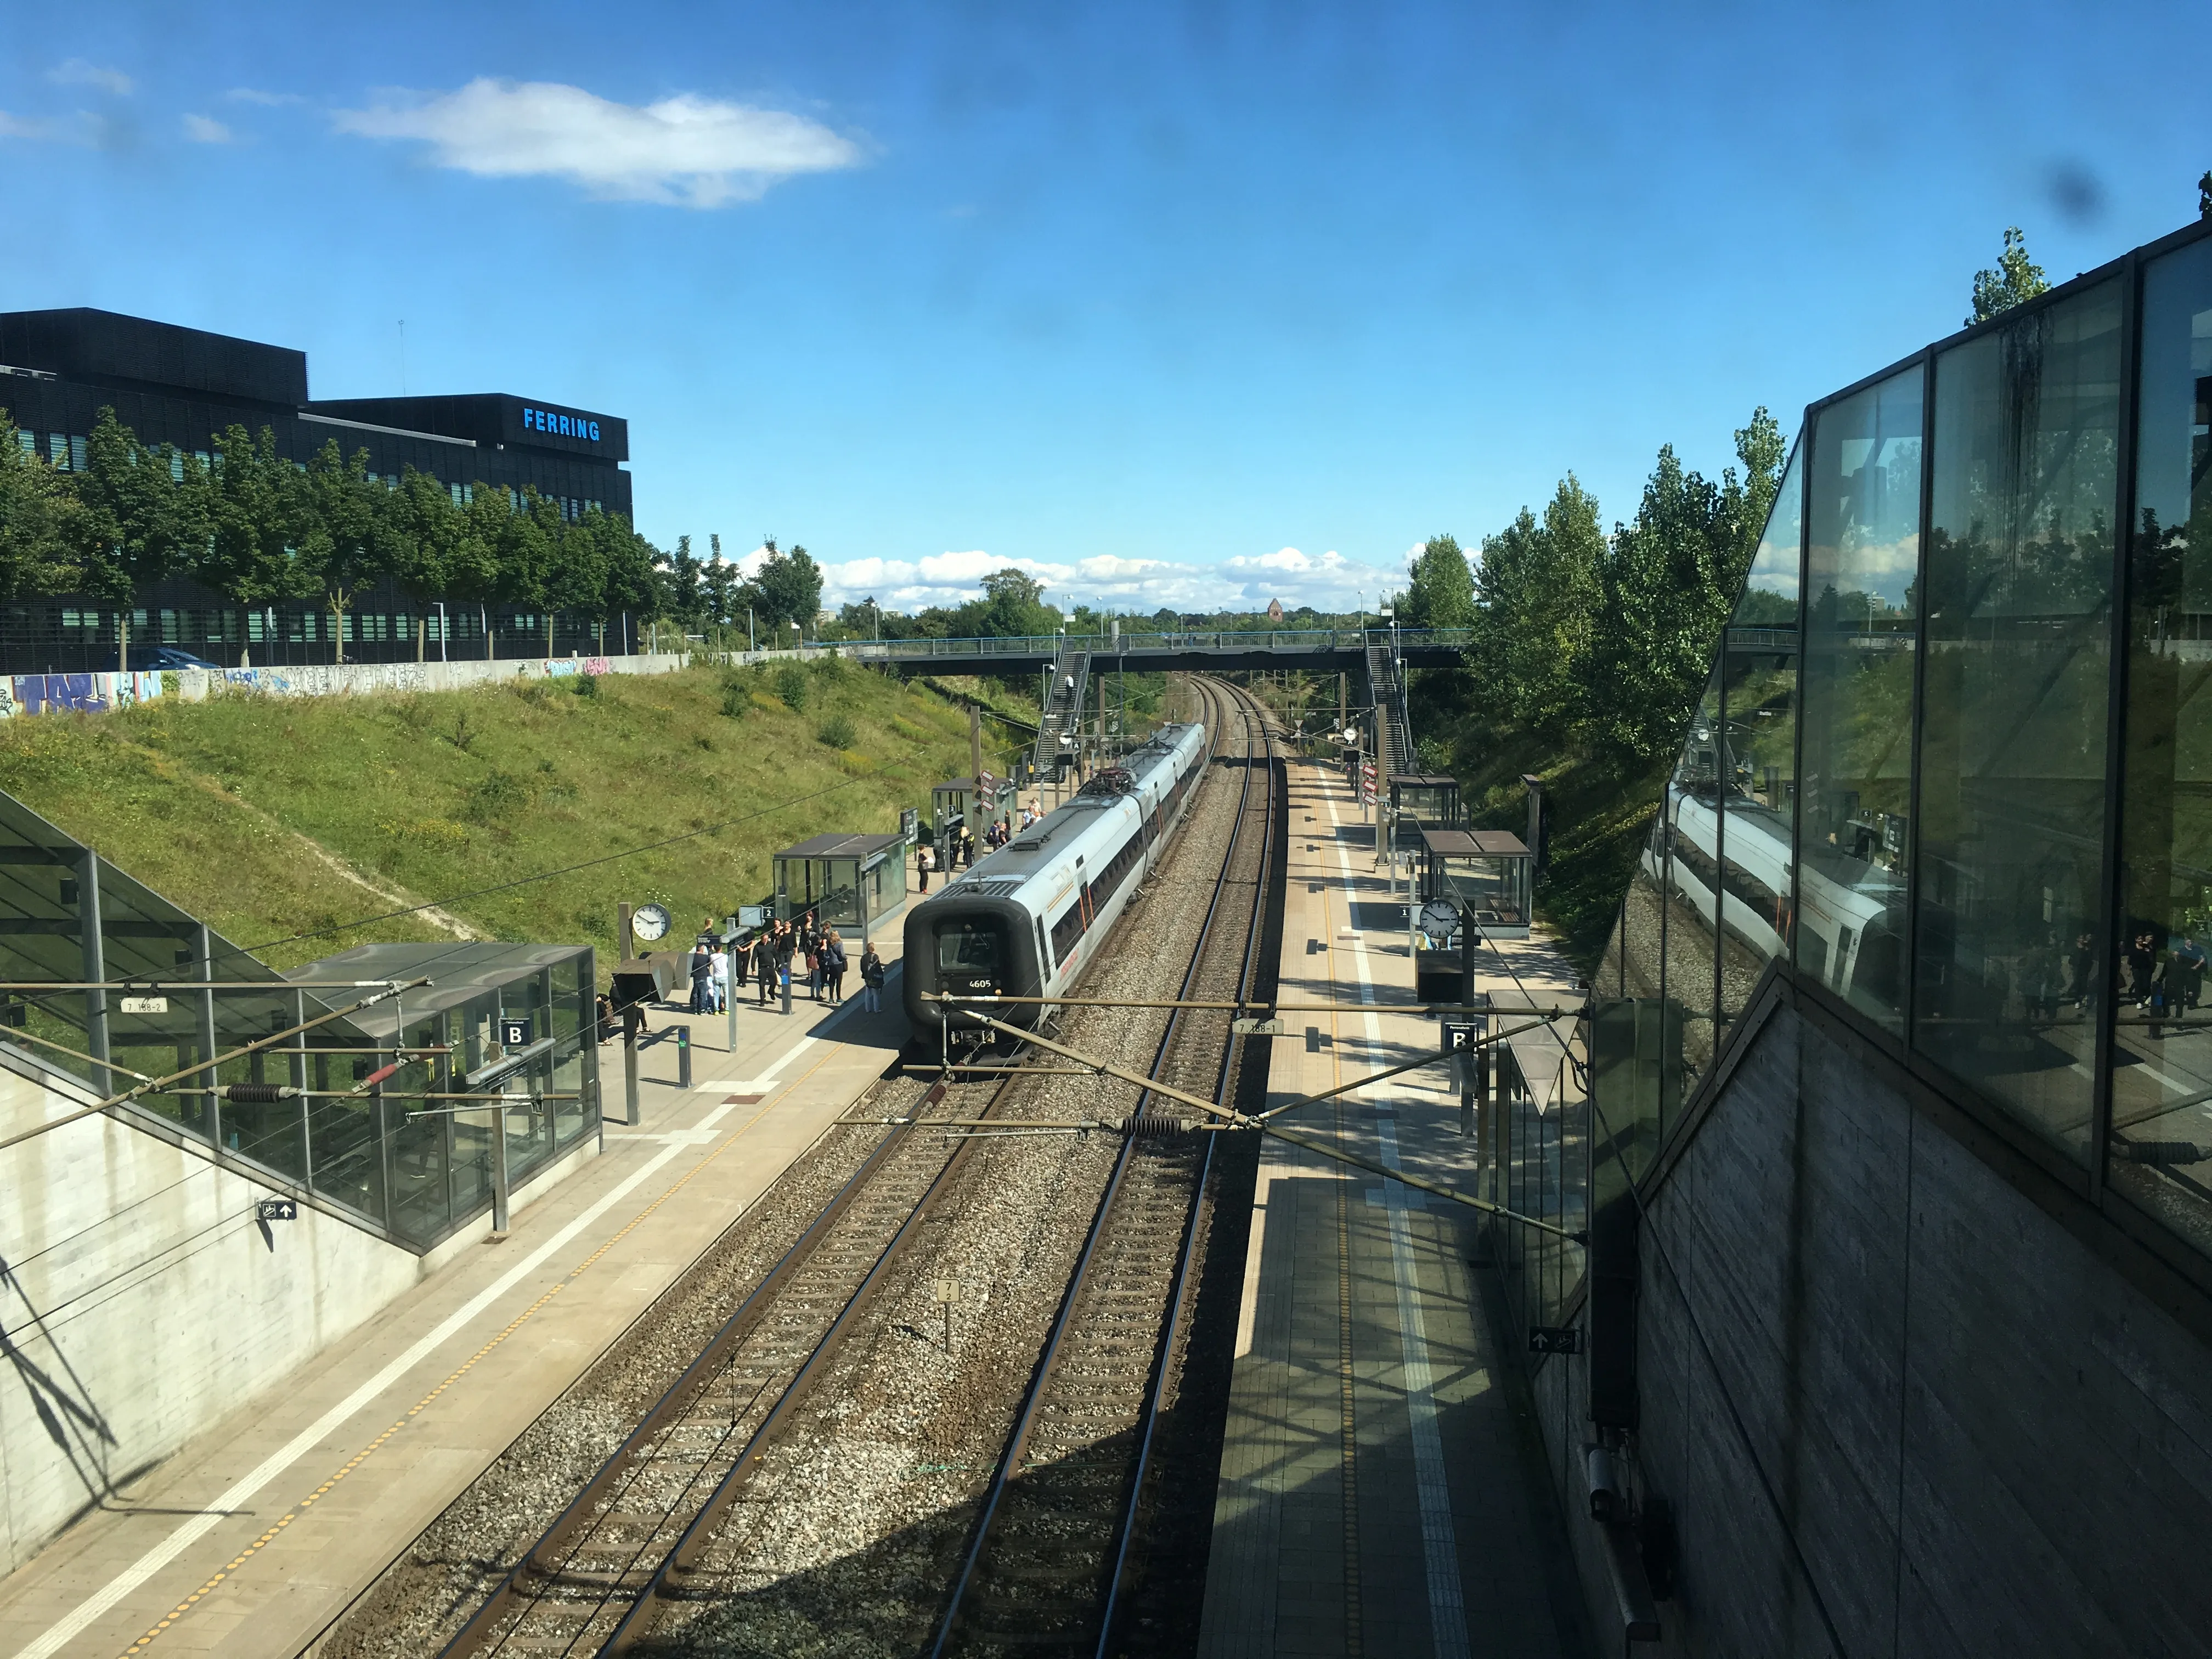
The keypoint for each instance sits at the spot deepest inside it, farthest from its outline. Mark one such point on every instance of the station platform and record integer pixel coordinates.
(1381, 1487)
(260, 1532)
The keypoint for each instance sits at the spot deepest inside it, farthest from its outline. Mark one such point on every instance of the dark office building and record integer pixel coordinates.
(182, 386)
(185, 387)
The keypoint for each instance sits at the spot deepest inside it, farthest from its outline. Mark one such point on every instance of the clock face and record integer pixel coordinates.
(649, 922)
(1439, 918)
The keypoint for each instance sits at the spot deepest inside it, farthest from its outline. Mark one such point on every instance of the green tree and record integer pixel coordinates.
(247, 557)
(577, 581)
(36, 534)
(136, 525)
(2016, 278)
(786, 589)
(427, 529)
(345, 533)
(1441, 589)
(2204, 195)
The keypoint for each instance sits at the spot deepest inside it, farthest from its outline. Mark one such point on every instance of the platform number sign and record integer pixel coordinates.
(514, 1033)
(1461, 1036)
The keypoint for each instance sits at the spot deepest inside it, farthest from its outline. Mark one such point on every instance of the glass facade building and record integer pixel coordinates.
(1951, 772)
(379, 1117)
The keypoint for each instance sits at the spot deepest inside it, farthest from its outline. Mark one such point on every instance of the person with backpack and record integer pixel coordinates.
(872, 974)
(833, 966)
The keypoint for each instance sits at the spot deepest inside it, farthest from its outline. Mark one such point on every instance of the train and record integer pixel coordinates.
(1027, 920)
(1849, 924)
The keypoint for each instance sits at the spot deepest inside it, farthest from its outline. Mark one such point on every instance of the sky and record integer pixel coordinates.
(1181, 305)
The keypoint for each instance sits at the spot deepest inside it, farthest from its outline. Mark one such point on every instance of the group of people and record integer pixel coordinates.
(769, 958)
(960, 845)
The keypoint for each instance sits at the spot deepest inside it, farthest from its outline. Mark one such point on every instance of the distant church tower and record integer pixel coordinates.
(1274, 610)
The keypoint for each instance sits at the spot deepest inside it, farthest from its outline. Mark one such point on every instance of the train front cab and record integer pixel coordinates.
(975, 946)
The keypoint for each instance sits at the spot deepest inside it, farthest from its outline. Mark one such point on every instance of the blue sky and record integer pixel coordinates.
(1173, 305)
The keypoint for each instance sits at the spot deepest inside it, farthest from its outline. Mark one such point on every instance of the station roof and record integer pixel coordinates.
(835, 846)
(1475, 843)
(1425, 780)
(457, 971)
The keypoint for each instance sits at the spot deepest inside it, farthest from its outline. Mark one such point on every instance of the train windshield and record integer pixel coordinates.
(968, 947)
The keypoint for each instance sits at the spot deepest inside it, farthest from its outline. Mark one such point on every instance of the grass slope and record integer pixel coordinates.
(272, 819)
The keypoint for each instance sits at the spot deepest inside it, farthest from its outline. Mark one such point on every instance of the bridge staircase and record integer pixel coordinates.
(1393, 727)
(1063, 710)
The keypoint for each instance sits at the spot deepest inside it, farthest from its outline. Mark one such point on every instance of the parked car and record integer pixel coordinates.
(151, 657)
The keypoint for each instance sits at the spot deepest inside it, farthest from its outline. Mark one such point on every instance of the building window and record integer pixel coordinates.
(176, 466)
(455, 490)
(57, 449)
(28, 441)
(76, 449)
(1863, 595)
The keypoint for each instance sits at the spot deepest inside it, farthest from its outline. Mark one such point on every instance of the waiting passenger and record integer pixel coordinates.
(872, 980)
(833, 966)
(764, 962)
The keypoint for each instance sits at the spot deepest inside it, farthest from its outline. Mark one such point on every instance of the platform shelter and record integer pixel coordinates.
(969, 804)
(1486, 871)
(846, 880)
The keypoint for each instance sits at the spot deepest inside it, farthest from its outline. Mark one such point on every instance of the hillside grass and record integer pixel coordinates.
(273, 818)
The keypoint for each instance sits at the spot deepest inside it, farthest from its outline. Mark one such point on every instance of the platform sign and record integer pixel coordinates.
(514, 1033)
(1554, 1339)
(910, 824)
(1461, 1036)
(145, 1005)
(752, 915)
(276, 1209)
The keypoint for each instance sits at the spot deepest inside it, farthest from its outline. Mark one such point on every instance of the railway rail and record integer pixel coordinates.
(1060, 1533)
(1057, 1535)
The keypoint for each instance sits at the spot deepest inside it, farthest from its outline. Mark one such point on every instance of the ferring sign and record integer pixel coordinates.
(560, 425)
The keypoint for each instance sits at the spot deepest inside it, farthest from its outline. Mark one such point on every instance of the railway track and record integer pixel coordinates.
(1060, 1535)
(1058, 1532)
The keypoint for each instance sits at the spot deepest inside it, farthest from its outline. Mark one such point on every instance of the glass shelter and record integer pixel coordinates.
(360, 1103)
(969, 804)
(846, 881)
(1485, 871)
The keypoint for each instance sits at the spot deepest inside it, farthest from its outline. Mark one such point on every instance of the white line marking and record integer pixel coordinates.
(73, 1624)
(1439, 1540)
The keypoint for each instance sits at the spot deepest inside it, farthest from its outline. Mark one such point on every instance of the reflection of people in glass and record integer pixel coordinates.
(2186, 973)
(2142, 966)
(2081, 965)
(2039, 980)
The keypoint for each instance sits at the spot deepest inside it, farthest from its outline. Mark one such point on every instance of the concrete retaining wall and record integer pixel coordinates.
(1970, 1434)
(141, 1301)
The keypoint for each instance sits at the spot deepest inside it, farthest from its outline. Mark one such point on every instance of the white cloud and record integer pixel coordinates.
(32, 127)
(269, 99)
(78, 73)
(682, 151)
(205, 129)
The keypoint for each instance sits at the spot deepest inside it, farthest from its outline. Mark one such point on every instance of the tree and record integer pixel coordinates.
(344, 541)
(577, 580)
(247, 557)
(721, 580)
(1441, 592)
(2204, 195)
(2016, 278)
(786, 589)
(36, 535)
(428, 531)
(134, 525)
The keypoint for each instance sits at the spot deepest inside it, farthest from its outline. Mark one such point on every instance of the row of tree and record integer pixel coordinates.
(1595, 644)
(254, 527)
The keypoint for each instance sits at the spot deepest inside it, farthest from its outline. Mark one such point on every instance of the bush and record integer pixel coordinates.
(584, 685)
(837, 732)
(736, 701)
(791, 686)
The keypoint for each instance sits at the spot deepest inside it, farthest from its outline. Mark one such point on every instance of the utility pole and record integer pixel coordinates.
(976, 746)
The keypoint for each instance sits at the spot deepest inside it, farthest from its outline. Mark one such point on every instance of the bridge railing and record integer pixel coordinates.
(1286, 642)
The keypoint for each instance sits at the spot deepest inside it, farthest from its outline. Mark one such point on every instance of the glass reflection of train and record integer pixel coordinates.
(1026, 921)
(1850, 905)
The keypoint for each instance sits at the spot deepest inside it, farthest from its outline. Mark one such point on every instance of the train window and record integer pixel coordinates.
(1066, 931)
(968, 946)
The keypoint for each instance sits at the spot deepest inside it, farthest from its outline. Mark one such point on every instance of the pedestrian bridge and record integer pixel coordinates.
(1342, 650)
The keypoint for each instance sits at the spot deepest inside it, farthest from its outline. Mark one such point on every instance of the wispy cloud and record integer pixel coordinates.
(270, 100)
(205, 129)
(682, 151)
(78, 130)
(77, 72)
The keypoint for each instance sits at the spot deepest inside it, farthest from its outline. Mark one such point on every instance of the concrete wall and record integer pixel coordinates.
(1975, 1435)
(141, 1301)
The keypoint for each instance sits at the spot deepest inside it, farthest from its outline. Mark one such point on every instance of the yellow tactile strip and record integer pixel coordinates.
(459, 1372)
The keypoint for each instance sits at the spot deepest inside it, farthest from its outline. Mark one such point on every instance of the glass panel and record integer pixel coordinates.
(1862, 563)
(2013, 700)
(2161, 1149)
(1693, 880)
(1759, 765)
(421, 1207)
